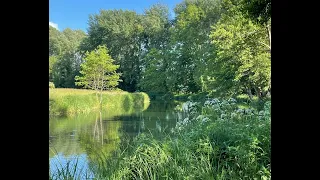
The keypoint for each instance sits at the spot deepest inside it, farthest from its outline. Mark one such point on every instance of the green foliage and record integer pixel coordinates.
(52, 61)
(190, 46)
(98, 71)
(56, 42)
(243, 55)
(65, 69)
(66, 41)
(153, 77)
(220, 47)
(258, 10)
(120, 31)
(64, 58)
(155, 24)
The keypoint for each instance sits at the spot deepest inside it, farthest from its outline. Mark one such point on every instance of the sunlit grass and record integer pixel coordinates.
(71, 91)
(64, 101)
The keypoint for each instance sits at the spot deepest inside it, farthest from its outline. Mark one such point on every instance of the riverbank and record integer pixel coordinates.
(217, 139)
(67, 102)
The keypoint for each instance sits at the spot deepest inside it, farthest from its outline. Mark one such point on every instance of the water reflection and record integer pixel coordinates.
(85, 136)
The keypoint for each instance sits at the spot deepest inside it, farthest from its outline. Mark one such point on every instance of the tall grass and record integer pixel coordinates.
(71, 169)
(217, 140)
(73, 101)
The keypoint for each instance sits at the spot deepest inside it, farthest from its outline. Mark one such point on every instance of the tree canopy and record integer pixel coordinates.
(98, 71)
(216, 46)
(64, 56)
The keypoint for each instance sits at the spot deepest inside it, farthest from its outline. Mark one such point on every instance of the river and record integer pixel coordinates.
(76, 139)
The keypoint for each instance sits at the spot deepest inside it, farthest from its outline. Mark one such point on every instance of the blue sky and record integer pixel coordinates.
(74, 14)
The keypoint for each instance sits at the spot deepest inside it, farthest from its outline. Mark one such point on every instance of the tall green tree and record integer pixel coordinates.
(121, 32)
(258, 11)
(243, 61)
(66, 68)
(129, 37)
(98, 72)
(154, 75)
(64, 56)
(56, 42)
(156, 24)
(190, 44)
(153, 58)
(52, 61)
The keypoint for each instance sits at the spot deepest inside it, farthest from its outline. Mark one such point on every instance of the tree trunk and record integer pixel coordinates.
(249, 93)
(269, 34)
(101, 128)
(101, 88)
(97, 95)
(258, 92)
(269, 91)
(100, 101)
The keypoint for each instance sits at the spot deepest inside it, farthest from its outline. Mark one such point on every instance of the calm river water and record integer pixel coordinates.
(74, 139)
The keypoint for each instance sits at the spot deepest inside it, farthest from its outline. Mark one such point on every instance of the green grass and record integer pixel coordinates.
(218, 140)
(72, 170)
(66, 102)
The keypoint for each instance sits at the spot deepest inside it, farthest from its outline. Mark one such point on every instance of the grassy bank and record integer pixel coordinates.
(217, 140)
(72, 101)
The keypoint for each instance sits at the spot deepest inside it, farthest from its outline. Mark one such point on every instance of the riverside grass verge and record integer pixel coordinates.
(68, 102)
(217, 140)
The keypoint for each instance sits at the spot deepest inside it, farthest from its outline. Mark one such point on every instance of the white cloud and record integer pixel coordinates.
(53, 25)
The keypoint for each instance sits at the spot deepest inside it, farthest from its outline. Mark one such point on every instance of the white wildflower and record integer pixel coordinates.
(200, 117)
(232, 100)
(205, 120)
(240, 111)
(261, 113)
(185, 121)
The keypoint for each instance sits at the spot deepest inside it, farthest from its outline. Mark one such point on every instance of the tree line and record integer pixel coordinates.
(217, 46)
